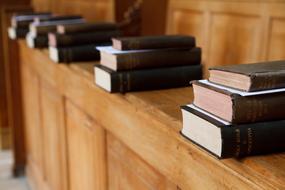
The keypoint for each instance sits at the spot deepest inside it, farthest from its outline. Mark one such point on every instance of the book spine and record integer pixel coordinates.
(253, 139)
(267, 81)
(265, 107)
(21, 32)
(163, 42)
(77, 54)
(85, 38)
(41, 41)
(157, 59)
(69, 29)
(154, 79)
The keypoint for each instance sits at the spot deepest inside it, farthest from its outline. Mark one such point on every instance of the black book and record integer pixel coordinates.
(40, 41)
(147, 79)
(74, 54)
(225, 140)
(16, 33)
(63, 40)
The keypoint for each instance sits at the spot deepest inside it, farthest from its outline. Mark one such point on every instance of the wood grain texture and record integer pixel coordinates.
(86, 151)
(128, 171)
(148, 124)
(13, 91)
(231, 32)
(53, 138)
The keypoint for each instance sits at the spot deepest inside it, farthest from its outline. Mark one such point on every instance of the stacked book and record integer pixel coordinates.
(148, 63)
(39, 29)
(76, 42)
(239, 111)
(20, 23)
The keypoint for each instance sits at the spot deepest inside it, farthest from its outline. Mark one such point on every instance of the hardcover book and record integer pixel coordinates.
(86, 27)
(24, 20)
(57, 18)
(147, 79)
(250, 77)
(50, 26)
(153, 42)
(225, 140)
(40, 41)
(141, 59)
(74, 54)
(236, 106)
(15, 33)
(63, 40)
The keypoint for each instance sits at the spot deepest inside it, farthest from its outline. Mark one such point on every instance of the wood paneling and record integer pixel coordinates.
(86, 151)
(53, 138)
(231, 32)
(92, 10)
(127, 171)
(276, 45)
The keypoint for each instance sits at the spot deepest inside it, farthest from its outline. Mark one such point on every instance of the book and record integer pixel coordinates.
(225, 140)
(147, 79)
(15, 33)
(86, 27)
(74, 54)
(50, 26)
(250, 77)
(40, 41)
(57, 18)
(23, 20)
(236, 106)
(142, 59)
(63, 40)
(153, 42)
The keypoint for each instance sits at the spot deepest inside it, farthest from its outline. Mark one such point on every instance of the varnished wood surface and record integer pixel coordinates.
(231, 31)
(148, 123)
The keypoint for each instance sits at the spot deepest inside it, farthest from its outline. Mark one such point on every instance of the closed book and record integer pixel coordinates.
(50, 26)
(236, 106)
(15, 33)
(40, 41)
(250, 77)
(86, 27)
(148, 79)
(225, 140)
(23, 20)
(143, 59)
(57, 18)
(74, 54)
(63, 40)
(153, 42)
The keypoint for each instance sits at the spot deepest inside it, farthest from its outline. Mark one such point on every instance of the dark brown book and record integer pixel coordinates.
(146, 79)
(237, 106)
(23, 20)
(16, 33)
(142, 59)
(73, 54)
(153, 42)
(250, 77)
(57, 18)
(50, 26)
(63, 40)
(86, 27)
(226, 140)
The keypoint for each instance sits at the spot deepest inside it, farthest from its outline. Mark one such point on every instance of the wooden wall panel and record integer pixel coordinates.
(276, 47)
(86, 151)
(92, 10)
(231, 32)
(127, 171)
(53, 138)
(234, 39)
